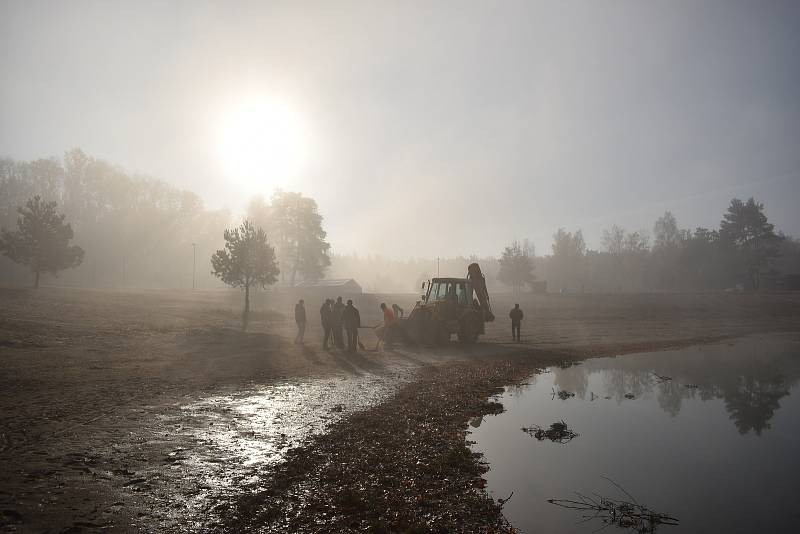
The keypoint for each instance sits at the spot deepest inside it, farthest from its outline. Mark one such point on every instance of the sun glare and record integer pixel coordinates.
(263, 145)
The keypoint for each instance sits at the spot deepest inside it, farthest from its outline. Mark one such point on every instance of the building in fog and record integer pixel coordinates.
(326, 288)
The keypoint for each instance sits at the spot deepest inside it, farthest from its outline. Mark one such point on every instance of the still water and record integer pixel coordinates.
(709, 435)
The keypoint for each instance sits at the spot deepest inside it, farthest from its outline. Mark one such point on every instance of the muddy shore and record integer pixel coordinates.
(152, 411)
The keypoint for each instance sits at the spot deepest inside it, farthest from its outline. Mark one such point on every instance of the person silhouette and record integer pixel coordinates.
(351, 319)
(300, 319)
(516, 316)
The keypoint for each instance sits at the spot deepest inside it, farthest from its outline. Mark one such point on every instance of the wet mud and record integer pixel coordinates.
(154, 412)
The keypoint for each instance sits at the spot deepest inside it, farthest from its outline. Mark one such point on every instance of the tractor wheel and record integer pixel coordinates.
(427, 329)
(470, 329)
(442, 335)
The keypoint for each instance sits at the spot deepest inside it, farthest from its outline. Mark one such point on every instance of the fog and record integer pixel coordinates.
(429, 130)
(421, 131)
(333, 265)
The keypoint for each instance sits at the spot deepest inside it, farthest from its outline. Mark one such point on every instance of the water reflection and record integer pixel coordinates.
(708, 435)
(215, 446)
(750, 376)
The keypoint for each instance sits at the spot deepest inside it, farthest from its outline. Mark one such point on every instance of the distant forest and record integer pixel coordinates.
(138, 231)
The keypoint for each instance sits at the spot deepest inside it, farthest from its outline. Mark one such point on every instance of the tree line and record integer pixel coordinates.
(137, 231)
(133, 230)
(745, 252)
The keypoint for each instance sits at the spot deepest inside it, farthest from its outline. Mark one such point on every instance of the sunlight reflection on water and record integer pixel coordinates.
(232, 436)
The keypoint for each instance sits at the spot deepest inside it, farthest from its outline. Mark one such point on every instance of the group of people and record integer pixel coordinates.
(340, 323)
(339, 320)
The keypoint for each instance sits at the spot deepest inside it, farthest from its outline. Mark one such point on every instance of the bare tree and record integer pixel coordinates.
(614, 240)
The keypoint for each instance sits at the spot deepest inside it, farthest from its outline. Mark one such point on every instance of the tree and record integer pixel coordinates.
(516, 265)
(666, 232)
(41, 241)
(746, 226)
(247, 260)
(614, 240)
(706, 261)
(567, 265)
(667, 250)
(295, 225)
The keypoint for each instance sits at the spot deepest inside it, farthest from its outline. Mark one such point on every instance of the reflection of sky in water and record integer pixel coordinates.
(717, 445)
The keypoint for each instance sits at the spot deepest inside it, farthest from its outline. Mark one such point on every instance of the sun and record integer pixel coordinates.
(262, 145)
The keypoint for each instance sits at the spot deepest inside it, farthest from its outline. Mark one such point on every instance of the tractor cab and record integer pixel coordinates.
(439, 290)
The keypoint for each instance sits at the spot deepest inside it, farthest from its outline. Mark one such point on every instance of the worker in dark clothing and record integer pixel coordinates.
(300, 319)
(351, 320)
(516, 321)
(338, 308)
(326, 316)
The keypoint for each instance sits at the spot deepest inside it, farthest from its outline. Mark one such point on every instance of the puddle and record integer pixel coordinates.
(213, 448)
(709, 435)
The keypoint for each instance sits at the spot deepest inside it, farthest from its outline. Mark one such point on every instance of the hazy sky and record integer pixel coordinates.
(430, 128)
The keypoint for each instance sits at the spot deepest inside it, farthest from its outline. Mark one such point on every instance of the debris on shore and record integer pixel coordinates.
(401, 466)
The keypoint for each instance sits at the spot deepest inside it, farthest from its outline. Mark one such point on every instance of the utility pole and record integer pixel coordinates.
(194, 261)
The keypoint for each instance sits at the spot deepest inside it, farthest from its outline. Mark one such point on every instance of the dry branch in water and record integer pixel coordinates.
(623, 514)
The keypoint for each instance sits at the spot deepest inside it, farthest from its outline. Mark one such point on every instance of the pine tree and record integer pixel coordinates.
(745, 225)
(41, 240)
(247, 260)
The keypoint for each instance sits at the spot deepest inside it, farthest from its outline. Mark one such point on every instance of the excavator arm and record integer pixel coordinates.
(478, 282)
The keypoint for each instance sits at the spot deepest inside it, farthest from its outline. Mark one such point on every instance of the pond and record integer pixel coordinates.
(709, 435)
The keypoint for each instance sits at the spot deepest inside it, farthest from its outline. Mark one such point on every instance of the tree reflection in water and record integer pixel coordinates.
(751, 377)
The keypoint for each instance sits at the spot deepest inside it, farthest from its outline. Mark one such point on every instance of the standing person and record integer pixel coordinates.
(352, 321)
(516, 316)
(326, 316)
(300, 319)
(338, 308)
(398, 311)
(388, 320)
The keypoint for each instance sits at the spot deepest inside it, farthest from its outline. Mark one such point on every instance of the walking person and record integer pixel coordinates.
(352, 321)
(326, 316)
(300, 319)
(516, 316)
(338, 308)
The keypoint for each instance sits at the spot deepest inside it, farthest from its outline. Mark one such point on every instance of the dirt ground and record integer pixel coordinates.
(152, 410)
